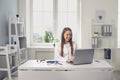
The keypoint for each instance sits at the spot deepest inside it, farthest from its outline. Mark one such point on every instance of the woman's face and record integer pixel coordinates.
(67, 36)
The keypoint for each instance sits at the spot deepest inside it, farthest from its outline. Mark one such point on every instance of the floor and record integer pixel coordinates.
(116, 76)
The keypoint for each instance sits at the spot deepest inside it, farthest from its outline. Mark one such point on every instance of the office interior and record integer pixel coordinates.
(88, 8)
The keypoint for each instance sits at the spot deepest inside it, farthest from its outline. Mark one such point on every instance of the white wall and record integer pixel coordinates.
(116, 59)
(41, 53)
(7, 9)
(89, 8)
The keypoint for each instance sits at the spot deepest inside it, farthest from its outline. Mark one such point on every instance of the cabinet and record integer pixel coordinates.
(101, 35)
(9, 56)
(17, 37)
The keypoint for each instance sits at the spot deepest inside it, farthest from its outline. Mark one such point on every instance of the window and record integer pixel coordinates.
(42, 19)
(51, 16)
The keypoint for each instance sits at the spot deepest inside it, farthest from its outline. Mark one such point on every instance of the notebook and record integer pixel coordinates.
(83, 56)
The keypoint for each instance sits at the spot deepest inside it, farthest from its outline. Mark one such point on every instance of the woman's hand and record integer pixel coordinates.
(70, 60)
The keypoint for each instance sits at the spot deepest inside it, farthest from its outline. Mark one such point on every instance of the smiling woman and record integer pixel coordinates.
(64, 50)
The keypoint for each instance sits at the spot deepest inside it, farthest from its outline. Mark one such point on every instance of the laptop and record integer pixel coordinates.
(83, 56)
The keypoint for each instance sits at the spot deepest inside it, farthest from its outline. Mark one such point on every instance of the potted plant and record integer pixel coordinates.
(96, 33)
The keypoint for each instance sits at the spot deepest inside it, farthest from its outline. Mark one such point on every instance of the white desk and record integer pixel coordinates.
(32, 70)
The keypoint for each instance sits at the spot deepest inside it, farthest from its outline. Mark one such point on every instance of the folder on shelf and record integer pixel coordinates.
(110, 30)
(94, 42)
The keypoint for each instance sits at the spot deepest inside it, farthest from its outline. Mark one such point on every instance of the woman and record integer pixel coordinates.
(64, 50)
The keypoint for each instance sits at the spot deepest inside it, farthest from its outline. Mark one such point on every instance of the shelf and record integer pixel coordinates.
(101, 35)
(101, 24)
(17, 22)
(6, 53)
(22, 36)
(23, 61)
(3, 51)
(23, 49)
(15, 72)
(13, 67)
(17, 37)
(3, 69)
(103, 47)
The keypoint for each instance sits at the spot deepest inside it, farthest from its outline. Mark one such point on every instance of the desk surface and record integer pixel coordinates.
(33, 64)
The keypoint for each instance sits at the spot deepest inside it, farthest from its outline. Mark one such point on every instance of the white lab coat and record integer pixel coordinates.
(66, 49)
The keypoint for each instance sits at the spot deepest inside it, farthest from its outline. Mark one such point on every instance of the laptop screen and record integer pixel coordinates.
(83, 56)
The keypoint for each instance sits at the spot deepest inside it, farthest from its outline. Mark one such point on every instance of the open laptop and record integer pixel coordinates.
(83, 56)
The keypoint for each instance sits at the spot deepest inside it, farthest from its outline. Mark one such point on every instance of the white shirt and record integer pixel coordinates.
(66, 50)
